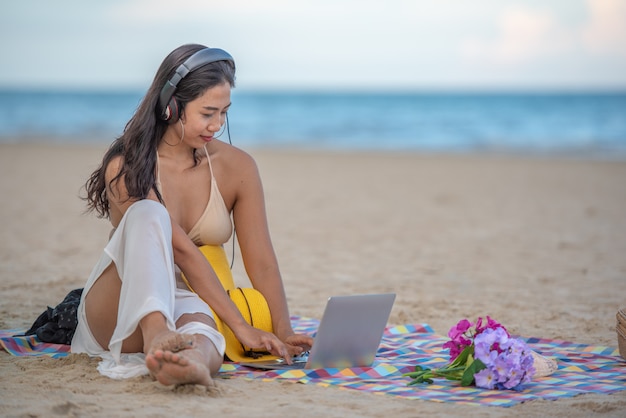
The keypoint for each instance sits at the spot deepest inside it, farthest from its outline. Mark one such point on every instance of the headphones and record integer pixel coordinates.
(168, 107)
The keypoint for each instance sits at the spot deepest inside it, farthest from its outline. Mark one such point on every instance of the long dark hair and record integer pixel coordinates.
(138, 143)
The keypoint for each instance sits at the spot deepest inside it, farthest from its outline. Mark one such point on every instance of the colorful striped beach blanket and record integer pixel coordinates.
(30, 345)
(582, 368)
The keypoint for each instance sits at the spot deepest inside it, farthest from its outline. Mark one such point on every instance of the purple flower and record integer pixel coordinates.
(488, 337)
(491, 337)
(527, 361)
(485, 379)
(508, 360)
(528, 375)
(501, 367)
(516, 347)
(483, 352)
(514, 378)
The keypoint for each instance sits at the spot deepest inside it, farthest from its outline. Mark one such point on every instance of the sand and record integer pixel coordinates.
(538, 243)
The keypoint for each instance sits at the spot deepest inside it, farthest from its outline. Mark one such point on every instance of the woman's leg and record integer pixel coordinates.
(101, 307)
(131, 306)
(196, 364)
(132, 300)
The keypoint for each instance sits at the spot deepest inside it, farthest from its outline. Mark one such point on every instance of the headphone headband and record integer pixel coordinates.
(195, 61)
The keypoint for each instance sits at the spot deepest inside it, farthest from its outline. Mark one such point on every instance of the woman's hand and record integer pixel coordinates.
(259, 339)
(298, 343)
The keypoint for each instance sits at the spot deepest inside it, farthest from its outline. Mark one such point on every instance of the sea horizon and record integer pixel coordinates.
(577, 122)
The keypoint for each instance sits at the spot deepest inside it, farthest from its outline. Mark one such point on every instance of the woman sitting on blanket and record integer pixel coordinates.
(168, 186)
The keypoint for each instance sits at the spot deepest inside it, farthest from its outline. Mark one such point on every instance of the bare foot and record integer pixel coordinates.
(172, 341)
(172, 365)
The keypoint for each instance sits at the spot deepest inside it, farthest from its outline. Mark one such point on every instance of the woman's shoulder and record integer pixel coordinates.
(113, 167)
(234, 158)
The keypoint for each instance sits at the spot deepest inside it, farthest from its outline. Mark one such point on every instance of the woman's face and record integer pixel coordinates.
(203, 117)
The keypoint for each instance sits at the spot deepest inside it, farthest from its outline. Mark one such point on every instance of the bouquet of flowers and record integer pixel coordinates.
(485, 356)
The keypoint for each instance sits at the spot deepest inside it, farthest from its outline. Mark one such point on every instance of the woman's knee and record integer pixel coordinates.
(147, 209)
(195, 317)
(148, 214)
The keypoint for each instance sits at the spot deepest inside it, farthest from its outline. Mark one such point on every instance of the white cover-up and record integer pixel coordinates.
(141, 248)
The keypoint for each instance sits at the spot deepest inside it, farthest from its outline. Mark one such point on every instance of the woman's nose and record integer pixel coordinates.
(216, 123)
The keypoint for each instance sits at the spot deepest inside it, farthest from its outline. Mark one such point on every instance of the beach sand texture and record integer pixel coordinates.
(537, 243)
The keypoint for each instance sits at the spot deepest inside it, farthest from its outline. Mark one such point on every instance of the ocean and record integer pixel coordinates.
(592, 124)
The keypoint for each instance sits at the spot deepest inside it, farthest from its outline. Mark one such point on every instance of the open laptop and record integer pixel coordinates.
(348, 335)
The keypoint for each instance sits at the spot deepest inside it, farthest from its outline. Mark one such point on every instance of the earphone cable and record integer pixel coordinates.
(232, 258)
(228, 129)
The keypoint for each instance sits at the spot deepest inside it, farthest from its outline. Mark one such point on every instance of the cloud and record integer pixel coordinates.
(525, 36)
(606, 31)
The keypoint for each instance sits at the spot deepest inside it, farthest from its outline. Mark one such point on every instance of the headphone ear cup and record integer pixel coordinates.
(171, 113)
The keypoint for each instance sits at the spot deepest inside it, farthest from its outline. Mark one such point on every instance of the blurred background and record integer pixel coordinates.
(518, 76)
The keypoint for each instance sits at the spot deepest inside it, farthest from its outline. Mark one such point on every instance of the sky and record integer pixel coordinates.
(321, 44)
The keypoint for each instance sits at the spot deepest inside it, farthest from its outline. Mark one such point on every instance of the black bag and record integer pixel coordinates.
(59, 324)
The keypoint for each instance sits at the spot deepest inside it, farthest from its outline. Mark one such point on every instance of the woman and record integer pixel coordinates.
(168, 186)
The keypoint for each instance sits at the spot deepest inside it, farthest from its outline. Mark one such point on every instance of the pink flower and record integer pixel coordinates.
(458, 340)
(491, 324)
(456, 348)
(459, 329)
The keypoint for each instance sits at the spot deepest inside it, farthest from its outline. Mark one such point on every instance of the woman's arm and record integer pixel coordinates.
(206, 284)
(258, 253)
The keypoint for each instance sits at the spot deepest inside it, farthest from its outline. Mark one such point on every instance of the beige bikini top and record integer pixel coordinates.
(214, 226)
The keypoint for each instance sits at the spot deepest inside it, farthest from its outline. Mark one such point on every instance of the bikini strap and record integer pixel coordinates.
(208, 158)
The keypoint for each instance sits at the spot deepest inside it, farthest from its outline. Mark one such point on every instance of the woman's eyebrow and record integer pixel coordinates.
(215, 108)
